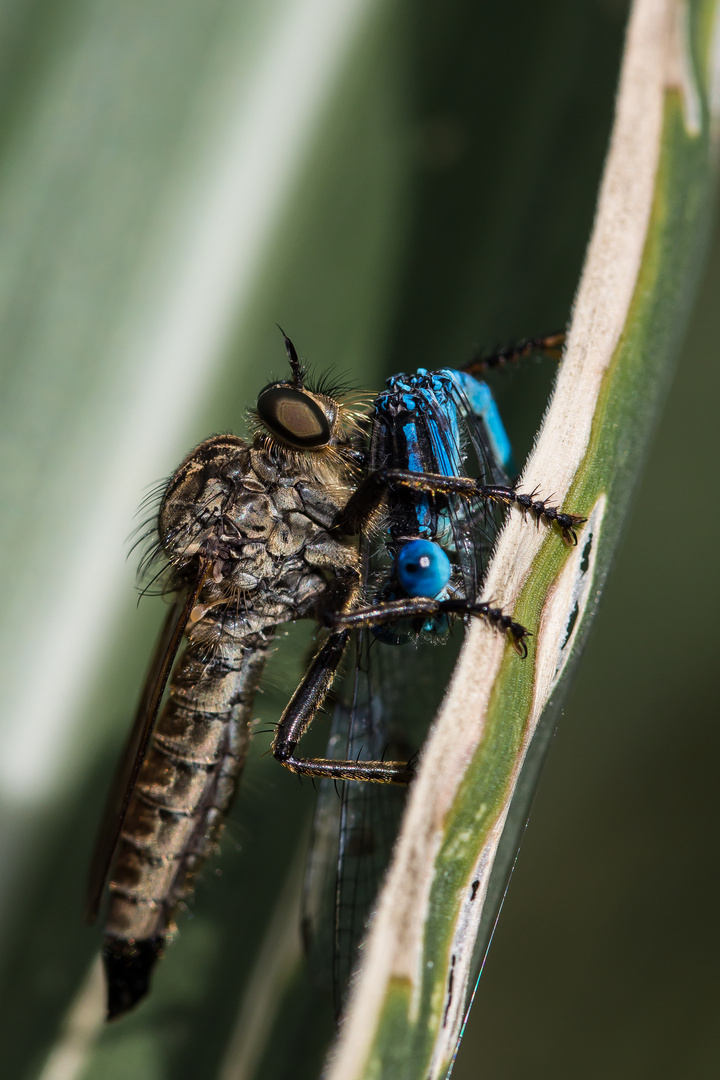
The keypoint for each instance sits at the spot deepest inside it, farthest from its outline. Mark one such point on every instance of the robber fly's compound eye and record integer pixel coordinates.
(294, 417)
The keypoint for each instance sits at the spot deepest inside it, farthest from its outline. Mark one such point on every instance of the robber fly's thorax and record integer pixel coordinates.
(262, 530)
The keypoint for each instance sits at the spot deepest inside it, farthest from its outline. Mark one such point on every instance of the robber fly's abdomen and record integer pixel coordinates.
(186, 784)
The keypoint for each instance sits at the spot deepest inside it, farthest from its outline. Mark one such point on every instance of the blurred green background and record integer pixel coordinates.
(395, 183)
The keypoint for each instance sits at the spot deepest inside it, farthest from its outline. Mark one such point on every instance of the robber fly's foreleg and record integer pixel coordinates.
(390, 611)
(301, 710)
(365, 500)
(549, 345)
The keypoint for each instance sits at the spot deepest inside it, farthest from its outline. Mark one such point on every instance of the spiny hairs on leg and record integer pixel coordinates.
(539, 508)
(496, 618)
(493, 616)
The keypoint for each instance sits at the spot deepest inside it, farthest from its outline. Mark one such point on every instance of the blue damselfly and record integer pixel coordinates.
(425, 567)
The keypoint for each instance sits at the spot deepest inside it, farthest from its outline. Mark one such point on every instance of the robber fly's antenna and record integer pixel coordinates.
(298, 371)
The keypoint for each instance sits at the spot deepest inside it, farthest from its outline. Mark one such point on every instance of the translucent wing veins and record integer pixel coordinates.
(131, 761)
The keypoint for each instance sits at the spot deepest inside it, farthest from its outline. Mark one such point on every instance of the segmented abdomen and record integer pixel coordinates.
(189, 776)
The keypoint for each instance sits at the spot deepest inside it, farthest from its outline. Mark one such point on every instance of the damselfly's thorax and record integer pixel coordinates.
(430, 420)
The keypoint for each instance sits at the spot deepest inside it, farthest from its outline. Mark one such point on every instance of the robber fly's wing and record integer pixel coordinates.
(133, 756)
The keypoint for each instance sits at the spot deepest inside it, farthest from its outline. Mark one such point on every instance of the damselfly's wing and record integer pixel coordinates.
(371, 813)
(475, 523)
(318, 903)
(384, 708)
(133, 756)
(355, 823)
(391, 695)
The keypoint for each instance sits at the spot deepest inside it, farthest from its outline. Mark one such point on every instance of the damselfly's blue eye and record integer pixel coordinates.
(422, 568)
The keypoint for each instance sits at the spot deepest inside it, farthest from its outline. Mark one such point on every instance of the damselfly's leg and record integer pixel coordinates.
(301, 710)
(389, 611)
(363, 503)
(550, 345)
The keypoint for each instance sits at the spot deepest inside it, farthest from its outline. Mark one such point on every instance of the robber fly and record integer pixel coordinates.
(245, 531)
(255, 535)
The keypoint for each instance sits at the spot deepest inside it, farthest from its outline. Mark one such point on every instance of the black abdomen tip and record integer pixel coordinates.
(128, 967)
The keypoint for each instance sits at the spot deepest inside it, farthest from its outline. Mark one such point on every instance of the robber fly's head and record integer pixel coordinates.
(306, 424)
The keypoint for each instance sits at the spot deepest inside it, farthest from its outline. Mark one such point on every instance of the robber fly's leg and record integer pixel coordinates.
(308, 697)
(390, 611)
(298, 716)
(539, 509)
(550, 345)
(363, 503)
